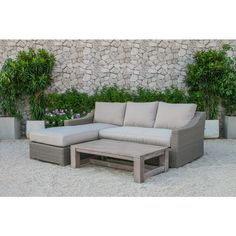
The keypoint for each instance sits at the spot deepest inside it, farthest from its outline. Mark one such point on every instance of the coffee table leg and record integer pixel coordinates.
(74, 157)
(164, 160)
(139, 170)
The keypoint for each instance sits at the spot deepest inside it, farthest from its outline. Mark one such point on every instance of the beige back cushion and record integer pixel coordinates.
(109, 112)
(174, 116)
(140, 114)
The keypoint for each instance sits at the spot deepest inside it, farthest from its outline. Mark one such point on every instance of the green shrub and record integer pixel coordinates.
(74, 104)
(228, 85)
(68, 105)
(27, 75)
(35, 74)
(115, 94)
(197, 98)
(10, 89)
(54, 101)
(56, 117)
(208, 76)
(112, 94)
(172, 95)
(228, 94)
(175, 95)
(148, 95)
(71, 99)
(79, 102)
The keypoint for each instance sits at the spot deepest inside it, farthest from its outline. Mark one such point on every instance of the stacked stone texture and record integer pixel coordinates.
(88, 65)
(91, 64)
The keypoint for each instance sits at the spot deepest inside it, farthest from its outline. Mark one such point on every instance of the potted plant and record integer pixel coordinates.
(35, 75)
(230, 116)
(9, 96)
(228, 98)
(205, 76)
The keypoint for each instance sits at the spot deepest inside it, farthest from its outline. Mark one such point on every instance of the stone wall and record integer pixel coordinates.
(90, 64)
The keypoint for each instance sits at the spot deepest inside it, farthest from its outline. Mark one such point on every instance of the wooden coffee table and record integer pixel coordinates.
(122, 155)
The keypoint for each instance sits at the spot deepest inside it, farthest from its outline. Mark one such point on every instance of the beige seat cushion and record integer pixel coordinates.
(140, 114)
(67, 135)
(109, 112)
(174, 116)
(160, 137)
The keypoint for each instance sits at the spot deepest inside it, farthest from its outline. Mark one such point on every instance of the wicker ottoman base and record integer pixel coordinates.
(48, 153)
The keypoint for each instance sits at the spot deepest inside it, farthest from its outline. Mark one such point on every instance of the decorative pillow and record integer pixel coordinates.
(109, 112)
(140, 114)
(174, 116)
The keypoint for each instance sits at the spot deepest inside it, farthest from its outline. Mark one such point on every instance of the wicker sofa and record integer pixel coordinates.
(177, 126)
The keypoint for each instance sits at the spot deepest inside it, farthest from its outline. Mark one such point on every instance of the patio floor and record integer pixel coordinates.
(212, 175)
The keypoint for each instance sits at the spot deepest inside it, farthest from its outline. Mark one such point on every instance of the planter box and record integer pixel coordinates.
(34, 125)
(212, 129)
(230, 127)
(9, 128)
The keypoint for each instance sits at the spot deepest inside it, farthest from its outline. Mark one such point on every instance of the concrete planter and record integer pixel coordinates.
(212, 129)
(34, 125)
(230, 127)
(9, 128)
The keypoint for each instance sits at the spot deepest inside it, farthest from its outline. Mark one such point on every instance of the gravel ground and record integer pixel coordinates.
(212, 175)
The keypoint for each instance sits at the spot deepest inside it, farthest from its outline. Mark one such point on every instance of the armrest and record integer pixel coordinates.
(83, 120)
(191, 133)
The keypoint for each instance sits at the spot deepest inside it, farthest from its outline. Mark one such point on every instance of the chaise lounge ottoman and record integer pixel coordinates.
(53, 144)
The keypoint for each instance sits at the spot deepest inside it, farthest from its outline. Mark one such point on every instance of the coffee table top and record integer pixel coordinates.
(116, 148)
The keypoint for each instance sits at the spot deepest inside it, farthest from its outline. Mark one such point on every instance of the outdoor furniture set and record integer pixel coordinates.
(146, 138)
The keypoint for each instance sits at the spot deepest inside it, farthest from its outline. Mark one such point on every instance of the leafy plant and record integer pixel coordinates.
(228, 94)
(56, 117)
(68, 105)
(206, 76)
(171, 95)
(175, 95)
(196, 98)
(115, 94)
(228, 85)
(74, 104)
(35, 74)
(71, 99)
(9, 89)
(112, 94)
(28, 75)
(79, 102)
(37, 105)
(148, 95)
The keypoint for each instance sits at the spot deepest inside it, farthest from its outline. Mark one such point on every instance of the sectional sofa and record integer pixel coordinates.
(176, 126)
